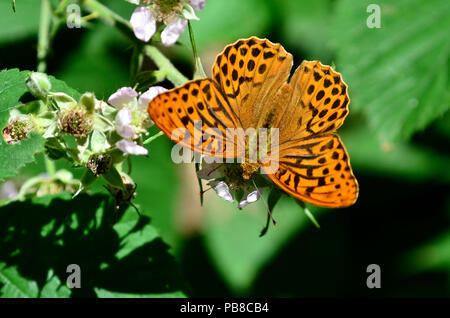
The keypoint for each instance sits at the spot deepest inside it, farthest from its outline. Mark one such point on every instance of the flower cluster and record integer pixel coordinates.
(173, 13)
(104, 133)
(132, 119)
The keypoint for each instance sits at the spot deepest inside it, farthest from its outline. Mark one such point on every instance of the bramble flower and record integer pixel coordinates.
(173, 13)
(227, 182)
(132, 119)
(75, 122)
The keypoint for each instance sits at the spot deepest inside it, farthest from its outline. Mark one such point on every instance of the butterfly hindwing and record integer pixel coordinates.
(317, 170)
(200, 108)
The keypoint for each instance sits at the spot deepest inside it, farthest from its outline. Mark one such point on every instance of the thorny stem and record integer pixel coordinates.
(43, 35)
(150, 139)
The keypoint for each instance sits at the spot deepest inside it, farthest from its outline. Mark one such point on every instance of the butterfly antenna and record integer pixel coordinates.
(202, 192)
(265, 203)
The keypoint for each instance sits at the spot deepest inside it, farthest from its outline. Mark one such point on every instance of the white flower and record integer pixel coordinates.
(132, 119)
(123, 123)
(143, 23)
(173, 13)
(223, 191)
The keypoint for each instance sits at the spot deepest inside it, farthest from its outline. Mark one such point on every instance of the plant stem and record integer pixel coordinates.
(164, 63)
(43, 35)
(50, 166)
(199, 71)
(111, 18)
(150, 139)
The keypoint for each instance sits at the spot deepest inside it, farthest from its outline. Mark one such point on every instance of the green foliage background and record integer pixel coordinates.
(397, 134)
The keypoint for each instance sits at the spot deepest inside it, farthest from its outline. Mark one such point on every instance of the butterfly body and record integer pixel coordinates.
(276, 121)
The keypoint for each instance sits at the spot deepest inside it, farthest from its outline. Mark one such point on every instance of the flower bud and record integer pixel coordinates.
(76, 122)
(88, 101)
(38, 84)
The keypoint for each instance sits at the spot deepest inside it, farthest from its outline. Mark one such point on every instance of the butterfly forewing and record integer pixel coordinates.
(200, 108)
(250, 72)
(318, 103)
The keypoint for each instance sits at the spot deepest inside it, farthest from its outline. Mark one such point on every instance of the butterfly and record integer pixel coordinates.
(250, 88)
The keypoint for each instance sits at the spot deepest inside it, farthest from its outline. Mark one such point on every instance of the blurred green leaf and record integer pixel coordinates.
(15, 26)
(232, 237)
(102, 293)
(397, 74)
(157, 189)
(98, 65)
(403, 160)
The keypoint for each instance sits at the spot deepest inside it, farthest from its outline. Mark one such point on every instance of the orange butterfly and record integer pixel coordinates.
(249, 89)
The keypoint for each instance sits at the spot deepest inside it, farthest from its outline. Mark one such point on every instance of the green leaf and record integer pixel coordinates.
(21, 23)
(13, 157)
(397, 74)
(402, 160)
(232, 237)
(12, 87)
(113, 178)
(92, 66)
(52, 232)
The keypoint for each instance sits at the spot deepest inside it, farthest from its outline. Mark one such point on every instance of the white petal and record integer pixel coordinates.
(172, 32)
(133, 1)
(143, 23)
(123, 121)
(122, 97)
(253, 196)
(148, 96)
(198, 4)
(250, 198)
(223, 191)
(131, 148)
